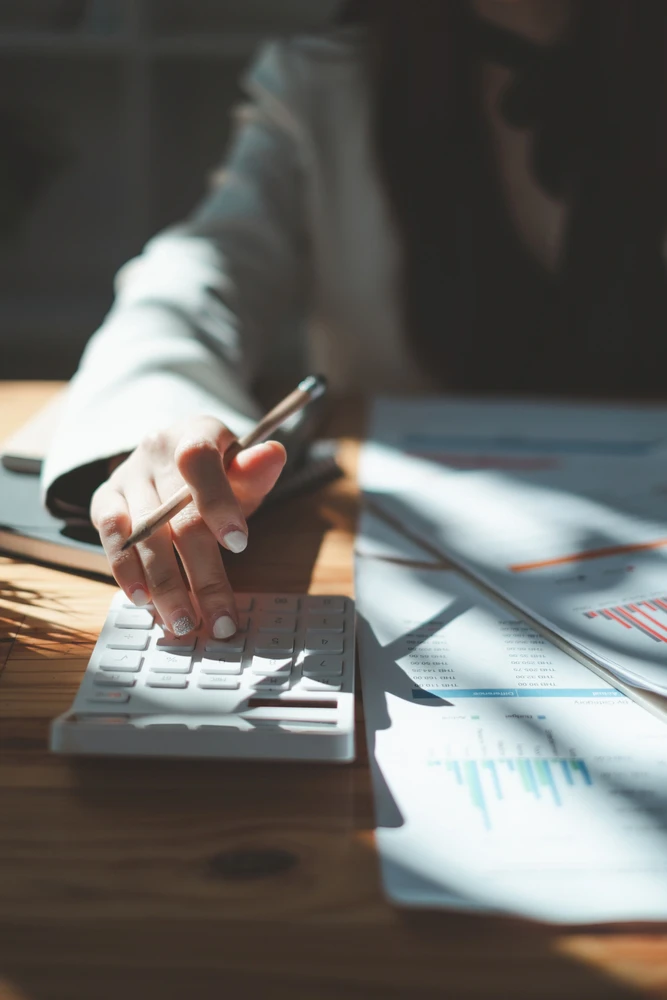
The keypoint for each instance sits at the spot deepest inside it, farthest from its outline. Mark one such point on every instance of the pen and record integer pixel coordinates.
(310, 388)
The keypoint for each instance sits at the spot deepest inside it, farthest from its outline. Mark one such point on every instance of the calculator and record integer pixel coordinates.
(281, 688)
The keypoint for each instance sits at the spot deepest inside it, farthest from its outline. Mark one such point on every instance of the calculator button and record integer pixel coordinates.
(166, 681)
(276, 623)
(318, 666)
(243, 602)
(287, 604)
(171, 663)
(220, 667)
(325, 623)
(232, 658)
(219, 683)
(267, 644)
(115, 680)
(175, 643)
(134, 618)
(242, 623)
(129, 639)
(318, 643)
(278, 683)
(323, 684)
(120, 659)
(325, 604)
(117, 697)
(234, 645)
(271, 666)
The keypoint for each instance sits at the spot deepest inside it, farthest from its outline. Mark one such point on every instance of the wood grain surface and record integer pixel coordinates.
(186, 879)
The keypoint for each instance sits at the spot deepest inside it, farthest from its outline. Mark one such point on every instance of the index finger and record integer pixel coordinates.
(200, 463)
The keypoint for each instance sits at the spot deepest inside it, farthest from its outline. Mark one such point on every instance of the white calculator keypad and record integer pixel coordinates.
(288, 672)
(127, 639)
(120, 659)
(134, 618)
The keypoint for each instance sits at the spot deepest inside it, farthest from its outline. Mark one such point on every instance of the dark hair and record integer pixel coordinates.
(606, 128)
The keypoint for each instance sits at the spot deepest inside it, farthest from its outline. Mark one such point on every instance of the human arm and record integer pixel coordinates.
(199, 314)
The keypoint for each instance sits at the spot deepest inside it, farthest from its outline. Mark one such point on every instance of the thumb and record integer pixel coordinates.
(254, 472)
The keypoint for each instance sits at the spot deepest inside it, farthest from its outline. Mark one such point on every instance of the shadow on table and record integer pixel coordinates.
(283, 548)
(19, 621)
(354, 948)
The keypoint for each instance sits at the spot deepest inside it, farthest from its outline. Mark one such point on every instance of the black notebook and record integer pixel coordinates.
(29, 531)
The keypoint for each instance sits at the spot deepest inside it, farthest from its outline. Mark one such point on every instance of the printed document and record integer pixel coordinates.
(560, 508)
(507, 777)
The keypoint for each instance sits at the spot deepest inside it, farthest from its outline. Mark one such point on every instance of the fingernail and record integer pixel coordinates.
(223, 627)
(235, 540)
(139, 597)
(182, 624)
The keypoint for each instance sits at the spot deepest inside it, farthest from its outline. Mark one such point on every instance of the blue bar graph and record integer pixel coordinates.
(489, 781)
(578, 765)
(476, 790)
(490, 765)
(546, 779)
(567, 771)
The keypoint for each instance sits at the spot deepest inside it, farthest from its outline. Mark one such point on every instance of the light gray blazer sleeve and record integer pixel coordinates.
(200, 312)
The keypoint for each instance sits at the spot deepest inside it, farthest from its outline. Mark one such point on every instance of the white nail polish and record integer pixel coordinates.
(139, 598)
(235, 541)
(223, 627)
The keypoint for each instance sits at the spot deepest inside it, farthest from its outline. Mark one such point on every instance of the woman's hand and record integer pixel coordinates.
(191, 451)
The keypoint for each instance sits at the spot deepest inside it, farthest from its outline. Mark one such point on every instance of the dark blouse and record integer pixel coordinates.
(599, 327)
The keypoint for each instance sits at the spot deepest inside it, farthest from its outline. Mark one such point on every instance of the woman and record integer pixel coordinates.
(462, 194)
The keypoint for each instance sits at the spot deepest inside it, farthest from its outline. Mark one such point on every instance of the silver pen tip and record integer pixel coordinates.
(314, 385)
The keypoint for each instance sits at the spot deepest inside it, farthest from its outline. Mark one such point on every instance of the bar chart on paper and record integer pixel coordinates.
(647, 617)
(493, 786)
(508, 798)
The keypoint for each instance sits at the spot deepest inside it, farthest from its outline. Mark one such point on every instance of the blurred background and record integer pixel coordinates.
(114, 116)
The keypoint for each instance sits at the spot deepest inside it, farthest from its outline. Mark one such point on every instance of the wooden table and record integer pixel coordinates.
(169, 879)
